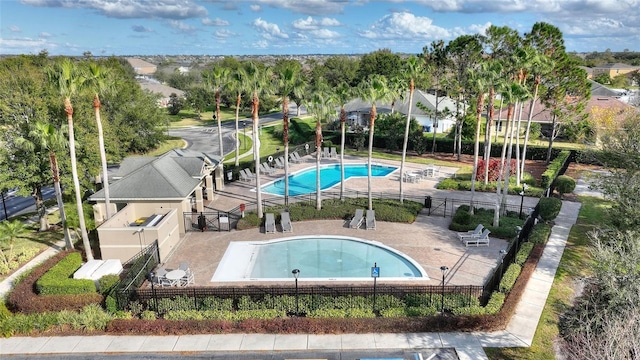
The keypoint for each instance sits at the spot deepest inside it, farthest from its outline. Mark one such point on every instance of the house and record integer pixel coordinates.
(613, 69)
(142, 67)
(151, 196)
(163, 90)
(422, 109)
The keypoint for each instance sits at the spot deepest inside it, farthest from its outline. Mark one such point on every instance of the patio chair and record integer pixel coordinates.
(334, 153)
(243, 176)
(250, 174)
(483, 239)
(297, 156)
(357, 219)
(160, 278)
(264, 167)
(325, 152)
(188, 278)
(371, 219)
(269, 223)
(293, 158)
(285, 221)
(470, 233)
(280, 162)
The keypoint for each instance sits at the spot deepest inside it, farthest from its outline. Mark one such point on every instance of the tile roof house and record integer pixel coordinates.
(613, 69)
(142, 67)
(153, 194)
(359, 111)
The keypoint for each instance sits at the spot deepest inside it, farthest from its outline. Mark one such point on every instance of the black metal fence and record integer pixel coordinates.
(135, 272)
(211, 220)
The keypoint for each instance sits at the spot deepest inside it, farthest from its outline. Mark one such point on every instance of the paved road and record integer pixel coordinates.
(16, 205)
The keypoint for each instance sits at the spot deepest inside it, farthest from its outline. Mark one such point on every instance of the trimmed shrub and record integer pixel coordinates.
(565, 184)
(540, 233)
(58, 281)
(462, 217)
(107, 282)
(495, 303)
(509, 278)
(554, 168)
(523, 253)
(549, 208)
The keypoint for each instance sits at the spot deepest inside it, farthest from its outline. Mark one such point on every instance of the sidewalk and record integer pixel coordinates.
(519, 332)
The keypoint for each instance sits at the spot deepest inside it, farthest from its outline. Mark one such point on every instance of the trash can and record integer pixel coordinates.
(427, 202)
(202, 222)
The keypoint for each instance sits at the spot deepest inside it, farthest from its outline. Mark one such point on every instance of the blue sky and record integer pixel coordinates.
(260, 27)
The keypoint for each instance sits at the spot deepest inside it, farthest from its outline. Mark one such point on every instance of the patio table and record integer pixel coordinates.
(174, 276)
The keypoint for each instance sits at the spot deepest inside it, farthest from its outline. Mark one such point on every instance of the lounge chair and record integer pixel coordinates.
(297, 156)
(250, 174)
(285, 221)
(264, 167)
(471, 233)
(334, 153)
(269, 223)
(483, 239)
(371, 219)
(357, 219)
(325, 153)
(293, 158)
(280, 163)
(243, 176)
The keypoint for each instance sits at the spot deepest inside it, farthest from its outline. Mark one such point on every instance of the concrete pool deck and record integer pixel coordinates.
(428, 240)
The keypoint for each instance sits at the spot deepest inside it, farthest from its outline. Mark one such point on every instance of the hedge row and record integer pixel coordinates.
(58, 280)
(464, 221)
(24, 298)
(549, 208)
(554, 169)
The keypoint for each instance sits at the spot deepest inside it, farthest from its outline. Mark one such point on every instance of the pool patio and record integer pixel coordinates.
(428, 240)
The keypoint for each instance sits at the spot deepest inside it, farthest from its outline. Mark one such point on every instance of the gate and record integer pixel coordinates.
(210, 221)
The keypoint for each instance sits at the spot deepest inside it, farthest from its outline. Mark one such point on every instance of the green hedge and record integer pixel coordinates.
(565, 184)
(58, 281)
(523, 253)
(463, 221)
(509, 278)
(540, 233)
(554, 168)
(549, 208)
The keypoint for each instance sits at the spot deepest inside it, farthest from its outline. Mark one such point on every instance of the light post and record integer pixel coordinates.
(139, 231)
(150, 276)
(524, 188)
(444, 271)
(296, 273)
(502, 254)
(518, 230)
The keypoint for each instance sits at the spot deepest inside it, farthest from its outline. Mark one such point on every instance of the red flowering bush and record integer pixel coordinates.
(494, 169)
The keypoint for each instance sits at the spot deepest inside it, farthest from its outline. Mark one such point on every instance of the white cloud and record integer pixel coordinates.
(255, 8)
(44, 35)
(23, 45)
(166, 9)
(405, 25)
(262, 44)
(310, 23)
(269, 30)
(309, 7)
(215, 22)
(14, 28)
(140, 28)
(223, 34)
(180, 26)
(325, 34)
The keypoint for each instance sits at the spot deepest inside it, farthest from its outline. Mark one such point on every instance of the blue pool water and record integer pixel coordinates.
(304, 182)
(330, 257)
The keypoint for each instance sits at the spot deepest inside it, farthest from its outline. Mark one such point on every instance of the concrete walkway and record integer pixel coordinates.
(519, 332)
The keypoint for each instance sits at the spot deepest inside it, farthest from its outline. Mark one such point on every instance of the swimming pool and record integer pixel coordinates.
(304, 181)
(318, 257)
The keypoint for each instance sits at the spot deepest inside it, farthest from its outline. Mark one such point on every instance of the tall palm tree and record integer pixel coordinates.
(52, 139)
(413, 69)
(216, 79)
(66, 77)
(97, 81)
(239, 84)
(479, 82)
(287, 83)
(342, 94)
(259, 80)
(373, 89)
(321, 106)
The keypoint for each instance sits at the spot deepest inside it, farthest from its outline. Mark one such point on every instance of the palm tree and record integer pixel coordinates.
(52, 139)
(215, 79)
(321, 105)
(259, 78)
(287, 83)
(66, 77)
(239, 84)
(479, 82)
(342, 94)
(413, 69)
(9, 232)
(372, 90)
(97, 80)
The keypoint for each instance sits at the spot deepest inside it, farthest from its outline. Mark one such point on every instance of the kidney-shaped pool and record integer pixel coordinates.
(317, 257)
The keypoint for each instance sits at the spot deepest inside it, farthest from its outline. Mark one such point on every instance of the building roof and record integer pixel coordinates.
(158, 88)
(615, 66)
(142, 67)
(426, 99)
(173, 175)
(598, 89)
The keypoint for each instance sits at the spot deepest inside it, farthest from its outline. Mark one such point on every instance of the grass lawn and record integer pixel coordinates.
(172, 143)
(189, 117)
(574, 264)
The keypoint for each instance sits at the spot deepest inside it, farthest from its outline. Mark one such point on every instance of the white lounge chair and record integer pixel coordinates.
(371, 219)
(269, 223)
(280, 163)
(250, 174)
(264, 167)
(297, 156)
(471, 233)
(483, 239)
(357, 219)
(285, 221)
(325, 153)
(293, 158)
(334, 153)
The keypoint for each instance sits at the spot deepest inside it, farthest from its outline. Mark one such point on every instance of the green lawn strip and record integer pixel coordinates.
(574, 264)
(189, 117)
(170, 144)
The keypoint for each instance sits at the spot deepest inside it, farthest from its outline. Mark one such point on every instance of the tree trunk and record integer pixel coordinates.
(238, 100)
(221, 164)
(530, 117)
(496, 215)
(507, 173)
(318, 155)
(40, 208)
(476, 150)
(343, 122)
(487, 144)
(76, 182)
(406, 140)
(285, 136)
(370, 157)
(435, 126)
(55, 170)
(255, 105)
(551, 137)
(103, 158)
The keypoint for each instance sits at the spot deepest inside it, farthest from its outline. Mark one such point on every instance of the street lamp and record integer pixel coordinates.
(518, 230)
(502, 254)
(150, 276)
(444, 271)
(296, 273)
(524, 188)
